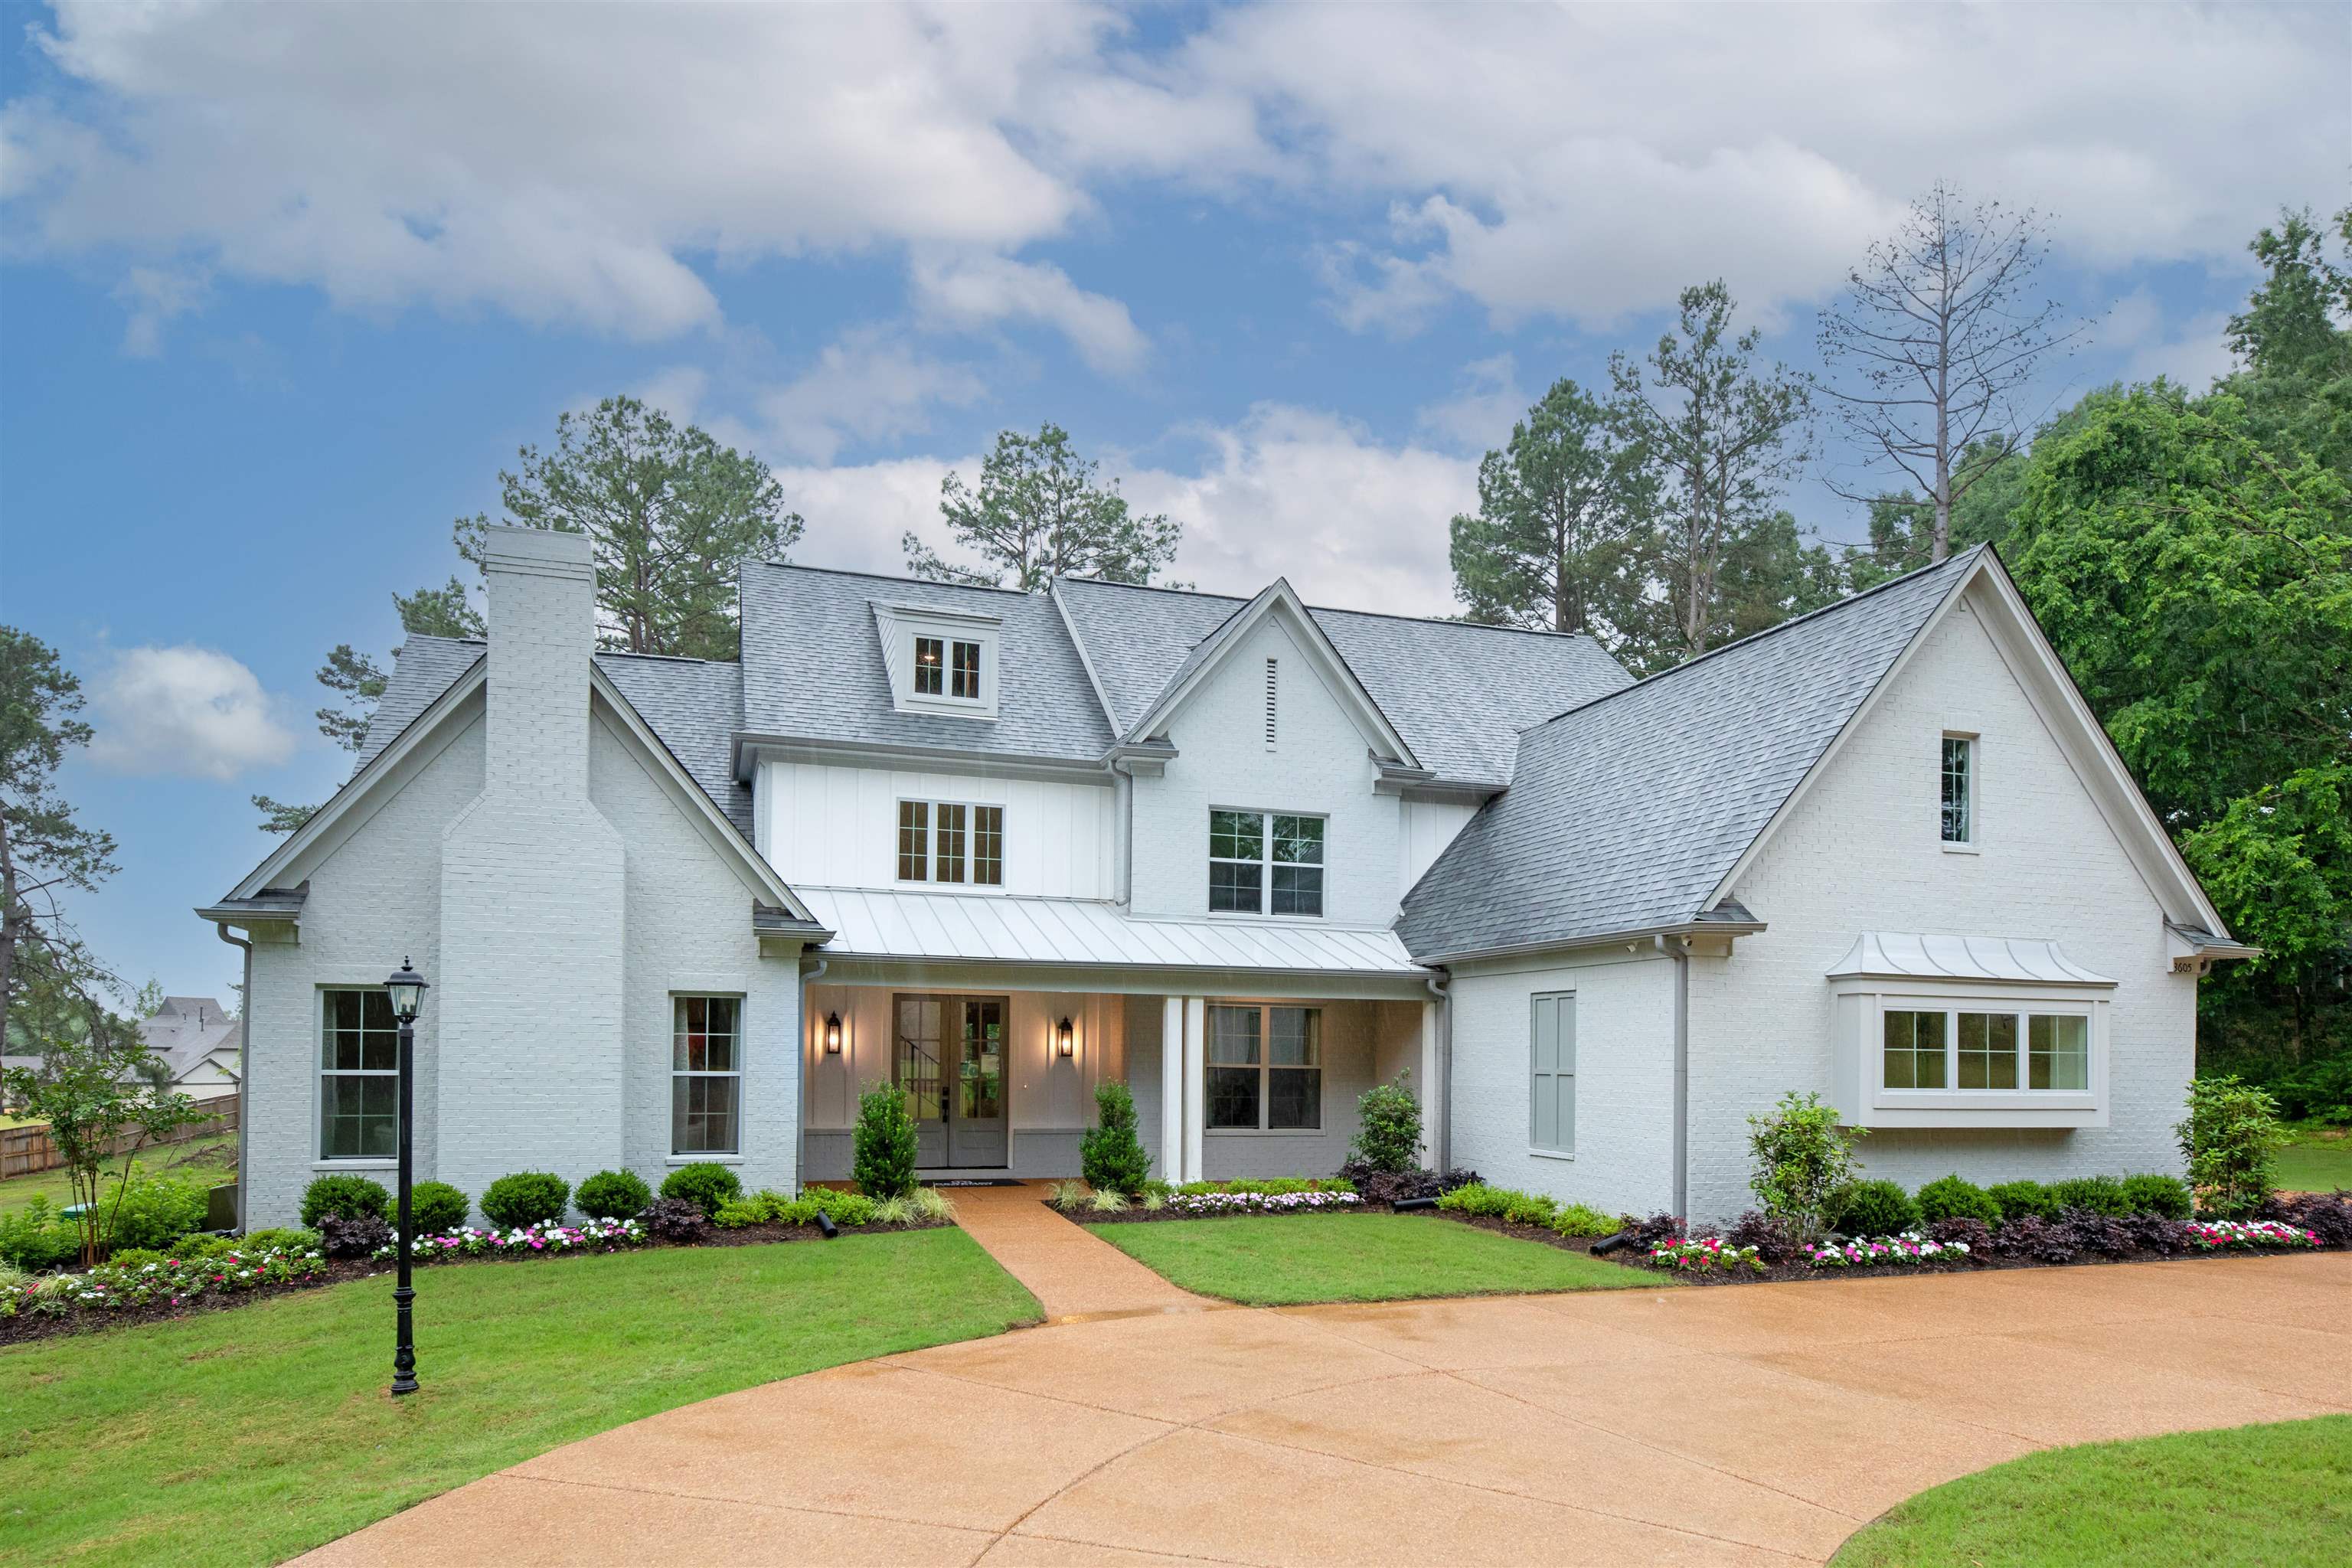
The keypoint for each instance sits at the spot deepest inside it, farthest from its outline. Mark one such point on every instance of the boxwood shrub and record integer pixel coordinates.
(613, 1194)
(2166, 1198)
(437, 1206)
(152, 1213)
(525, 1198)
(341, 1192)
(705, 1184)
(2092, 1195)
(2023, 1200)
(1954, 1197)
(1873, 1208)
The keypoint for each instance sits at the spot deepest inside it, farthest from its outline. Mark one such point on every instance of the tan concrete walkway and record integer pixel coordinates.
(1071, 1274)
(1757, 1425)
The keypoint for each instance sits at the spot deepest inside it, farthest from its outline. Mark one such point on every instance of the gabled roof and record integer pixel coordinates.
(1627, 813)
(1639, 811)
(1458, 693)
(1278, 598)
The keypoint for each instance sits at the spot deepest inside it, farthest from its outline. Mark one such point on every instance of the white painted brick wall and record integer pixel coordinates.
(1862, 853)
(1319, 765)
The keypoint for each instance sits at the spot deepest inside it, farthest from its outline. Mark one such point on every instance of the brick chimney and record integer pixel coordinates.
(542, 594)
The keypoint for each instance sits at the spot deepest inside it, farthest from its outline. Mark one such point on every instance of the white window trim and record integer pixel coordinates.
(726, 1157)
(1266, 1069)
(1266, 864)
(1865, 1101)
(971, 844)
(320, 1073)
(1974, 843)
(900, 625)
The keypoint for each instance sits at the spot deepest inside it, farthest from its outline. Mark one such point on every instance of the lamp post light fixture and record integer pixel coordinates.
(833, 1034)
(1062, 1033)
(407, 989)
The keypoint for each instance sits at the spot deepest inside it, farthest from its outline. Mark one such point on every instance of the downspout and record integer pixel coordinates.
(244, 1065)
(1678, 949)
(1441, 1093)
(800, 1066)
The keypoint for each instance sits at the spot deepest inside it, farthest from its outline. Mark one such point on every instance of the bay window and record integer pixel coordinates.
(1972, 1049)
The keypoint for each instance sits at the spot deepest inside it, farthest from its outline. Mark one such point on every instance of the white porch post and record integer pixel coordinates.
(1432, 1092)
(1196, 1077)
(1171, 1090)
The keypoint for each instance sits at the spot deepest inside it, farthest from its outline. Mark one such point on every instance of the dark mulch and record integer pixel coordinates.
(27, 1326)
(1977, 1262)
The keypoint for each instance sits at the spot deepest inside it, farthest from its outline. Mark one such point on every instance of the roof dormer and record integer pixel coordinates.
(940, 660)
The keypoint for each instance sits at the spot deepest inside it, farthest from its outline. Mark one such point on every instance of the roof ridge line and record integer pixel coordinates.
(894, 577)
(1342, 609)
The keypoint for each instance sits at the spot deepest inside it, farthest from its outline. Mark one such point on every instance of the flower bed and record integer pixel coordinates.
(2218, 1235)
(1884, 1251)
(145, 1288)
(529, 1241)
(1210, 1200)
(1196, 1206)
(1697, 1254)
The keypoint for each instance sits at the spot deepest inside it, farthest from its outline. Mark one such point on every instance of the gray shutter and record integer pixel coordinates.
(1551, 1088)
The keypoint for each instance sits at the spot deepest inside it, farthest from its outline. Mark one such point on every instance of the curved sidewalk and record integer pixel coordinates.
(1743, 1424)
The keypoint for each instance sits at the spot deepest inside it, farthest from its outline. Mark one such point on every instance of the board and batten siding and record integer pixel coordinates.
(1429, 826)
(829, 825)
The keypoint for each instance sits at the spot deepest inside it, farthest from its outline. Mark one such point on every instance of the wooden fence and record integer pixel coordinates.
(25, 1150)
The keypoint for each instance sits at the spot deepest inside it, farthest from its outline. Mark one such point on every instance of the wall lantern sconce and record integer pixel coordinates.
(833, 1034)
(1062, 1033)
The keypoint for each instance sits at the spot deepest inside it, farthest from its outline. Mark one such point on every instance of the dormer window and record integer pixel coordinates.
(940, 661)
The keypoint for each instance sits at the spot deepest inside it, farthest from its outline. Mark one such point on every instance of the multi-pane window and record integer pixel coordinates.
(951, 842)
(1264, 1069)
(359, 1077)
(705, 1085)
(1981, 1051)
(946, 668)
(1960, 789)
(1265, 863)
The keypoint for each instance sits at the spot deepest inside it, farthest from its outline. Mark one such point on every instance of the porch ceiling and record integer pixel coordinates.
(986, 928)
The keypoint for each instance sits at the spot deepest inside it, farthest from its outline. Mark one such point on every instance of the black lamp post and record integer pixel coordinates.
(407, 989)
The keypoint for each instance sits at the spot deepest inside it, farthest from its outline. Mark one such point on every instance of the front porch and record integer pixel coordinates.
(1256, 1076)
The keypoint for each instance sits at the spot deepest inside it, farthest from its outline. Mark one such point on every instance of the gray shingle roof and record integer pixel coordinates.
(422, 669)
(1458, 693)
(1626, 812)
(813, 668)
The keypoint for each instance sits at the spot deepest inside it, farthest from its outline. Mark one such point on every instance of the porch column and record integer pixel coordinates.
(1432, 1091)
(1171, 1090)
(1196, 1077)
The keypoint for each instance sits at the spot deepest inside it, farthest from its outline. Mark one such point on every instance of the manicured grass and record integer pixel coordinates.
(1275, 1262)
(248, 1434)
(208, 1160)
(2319, 1160)
(2237, 1498)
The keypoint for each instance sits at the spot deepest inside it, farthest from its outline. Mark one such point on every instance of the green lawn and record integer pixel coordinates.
(2319, 1160)
(2246, 1496)
(208, 1160)
(1276, 1262)
(248, 1434)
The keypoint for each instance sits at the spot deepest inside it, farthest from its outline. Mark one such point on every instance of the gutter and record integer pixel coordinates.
(244, 1068)
(1678, 949)
(1441, 1094)
(1634, 938)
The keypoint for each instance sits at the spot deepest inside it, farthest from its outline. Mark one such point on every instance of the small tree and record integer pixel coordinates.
(90, 1094)
(2229, 1139)
(884, 1163)
(1803, 1156)
(1110, 1156)
(1388, 1134)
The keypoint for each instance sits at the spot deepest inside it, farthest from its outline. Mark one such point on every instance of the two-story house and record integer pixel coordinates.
(1247, 856)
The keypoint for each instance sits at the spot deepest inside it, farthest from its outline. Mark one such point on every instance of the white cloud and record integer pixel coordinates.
(188, 711)
(856, 513)
(2192, 352)
(1487, 401)
(981, 290)
(869, 386)
(153, 295)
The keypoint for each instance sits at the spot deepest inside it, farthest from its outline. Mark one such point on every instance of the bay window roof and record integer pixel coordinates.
(1906, 955)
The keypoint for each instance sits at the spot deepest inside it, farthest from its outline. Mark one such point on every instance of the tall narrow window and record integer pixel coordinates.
(359, 1077)
(1551, 1076)
(965, 682)
(1294, 1068)
(947, 866)
(706, 1076)
(1235, 1067)
(1960, 789)
(1272, 676)
(1265, 863)
(930, 666)
(988, 846)
(914, 841)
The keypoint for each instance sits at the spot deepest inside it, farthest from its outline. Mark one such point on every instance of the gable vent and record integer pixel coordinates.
(1273, 667)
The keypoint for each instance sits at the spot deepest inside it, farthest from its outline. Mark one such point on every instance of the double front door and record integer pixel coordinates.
(948, 1053)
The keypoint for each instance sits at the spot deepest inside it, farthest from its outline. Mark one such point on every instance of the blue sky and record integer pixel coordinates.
(282, 287)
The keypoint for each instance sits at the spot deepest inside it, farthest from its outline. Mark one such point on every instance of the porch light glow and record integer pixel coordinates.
(1063, 1034)
(833, 1034)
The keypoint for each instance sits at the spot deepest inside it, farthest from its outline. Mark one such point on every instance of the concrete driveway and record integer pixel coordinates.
(1756, 1425)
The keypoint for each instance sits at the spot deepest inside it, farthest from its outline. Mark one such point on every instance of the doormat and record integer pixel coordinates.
(977, 1181)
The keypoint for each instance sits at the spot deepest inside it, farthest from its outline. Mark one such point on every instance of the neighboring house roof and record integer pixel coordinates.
(976, 928)
(1458, 693)
(188, 1031)
(813, 668)
(1626, 814)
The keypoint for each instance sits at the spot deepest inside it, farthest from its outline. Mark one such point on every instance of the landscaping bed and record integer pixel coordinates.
(1210, 1200)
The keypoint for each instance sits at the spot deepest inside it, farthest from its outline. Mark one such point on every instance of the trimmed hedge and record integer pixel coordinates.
(1954, 1197)
(613, 1194)
(525, 1199)
(1871, 1208)
(343, 1194)
(437, 1206)
(707, 1186)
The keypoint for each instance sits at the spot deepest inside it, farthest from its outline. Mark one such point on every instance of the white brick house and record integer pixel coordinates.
(1248, 858)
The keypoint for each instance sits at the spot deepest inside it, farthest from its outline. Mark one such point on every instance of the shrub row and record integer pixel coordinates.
(140, 1277)
(347, 1208)
(1877, 1208)
(922, 1205)
(1513, 1207)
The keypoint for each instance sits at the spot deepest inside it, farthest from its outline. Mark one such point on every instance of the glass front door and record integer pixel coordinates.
(950, 1058)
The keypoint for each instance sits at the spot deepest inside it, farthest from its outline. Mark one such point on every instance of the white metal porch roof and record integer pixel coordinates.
(1907, 955)
(991, 927)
